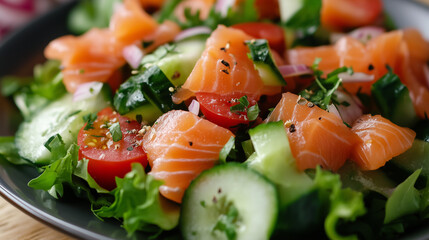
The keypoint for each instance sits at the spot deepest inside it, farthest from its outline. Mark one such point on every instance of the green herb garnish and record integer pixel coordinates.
(89, 120)
(243, 106)
(115, 130)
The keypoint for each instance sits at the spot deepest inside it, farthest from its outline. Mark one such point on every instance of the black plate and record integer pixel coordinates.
(21, 50)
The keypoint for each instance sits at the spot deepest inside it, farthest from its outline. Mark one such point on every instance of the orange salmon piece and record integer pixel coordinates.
(316, 137)
(179, 147)
(225, 68)
(130, 22)
(381, 141)
(350, 52)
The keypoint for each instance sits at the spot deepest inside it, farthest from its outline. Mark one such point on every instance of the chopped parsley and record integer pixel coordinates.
(89, 120)
(115, 130)
(243, 106)
(322, 91)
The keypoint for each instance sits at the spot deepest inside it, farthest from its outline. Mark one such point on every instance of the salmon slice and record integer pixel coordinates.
(130, 22)
(98, 54)
(414, 70)
(94, 56)
(166, 32)
(371, 58)
(381, 141)
(316, 137)
(225, 68)
(179, 147)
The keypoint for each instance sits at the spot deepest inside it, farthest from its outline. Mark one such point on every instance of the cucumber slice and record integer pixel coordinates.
(261, 55)
(149, 87)
(393, 99)
(289, 8)
(229, 201)
(417, 157)
(177, 60)
(274, 159)
(64, 117)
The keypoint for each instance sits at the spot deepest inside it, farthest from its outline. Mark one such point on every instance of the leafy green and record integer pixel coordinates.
(322, 91)
(307, 19)
(406, 199)
(252, 112)
(48, 80)
(9, 151)
(393, 99)
(244, 12)
(139, 204)
(223, 154)
(91, 13)
(60, 171)
(12, 84)
(115, 130)
(344, 204)
(81, 171)
(167, 10)
(89, 120)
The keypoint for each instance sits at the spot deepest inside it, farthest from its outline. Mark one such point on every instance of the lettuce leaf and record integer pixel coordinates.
(406, 199)
(59, 172)
(9, 152)
(139, 204)
(344, 204)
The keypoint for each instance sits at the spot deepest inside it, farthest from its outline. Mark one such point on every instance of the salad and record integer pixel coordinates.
(246, 119)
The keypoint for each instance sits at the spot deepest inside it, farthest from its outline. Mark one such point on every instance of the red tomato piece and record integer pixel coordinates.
(216, 109)
(109, 159)
(343, 14)
(273, 33)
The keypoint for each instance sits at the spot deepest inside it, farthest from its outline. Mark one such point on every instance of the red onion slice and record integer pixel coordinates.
(356, 77)
(353, 111)
(364, 34)
(334, 110)
(133, 55)
(87, 90)
(294, 70)
(190, 32)
(194, 107)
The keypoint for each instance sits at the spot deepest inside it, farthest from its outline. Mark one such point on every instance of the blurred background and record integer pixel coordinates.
(15, 13)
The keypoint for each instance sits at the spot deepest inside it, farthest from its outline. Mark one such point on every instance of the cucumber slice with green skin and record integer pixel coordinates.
(63, 117)
(229, 201)
(177, 60)
(146, 114)
(289, 8)
(393, 99)
(273, 158)
(149, 87)
(261, 55)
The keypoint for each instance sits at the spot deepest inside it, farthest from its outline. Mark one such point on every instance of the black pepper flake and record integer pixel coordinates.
(225, 63)
(292, 128)
(370, 67)
(127, 121)
(219, 190)
(214, 199)
(130, 148)
(225, 71)
(190, 143)
(320, 118)
(223, 49)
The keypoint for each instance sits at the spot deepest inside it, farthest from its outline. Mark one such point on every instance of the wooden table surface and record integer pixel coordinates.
(15, 224)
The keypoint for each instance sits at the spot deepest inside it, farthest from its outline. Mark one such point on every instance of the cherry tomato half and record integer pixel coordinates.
(217, 109)
(109, 159)
(343, 14)
(273, 33)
